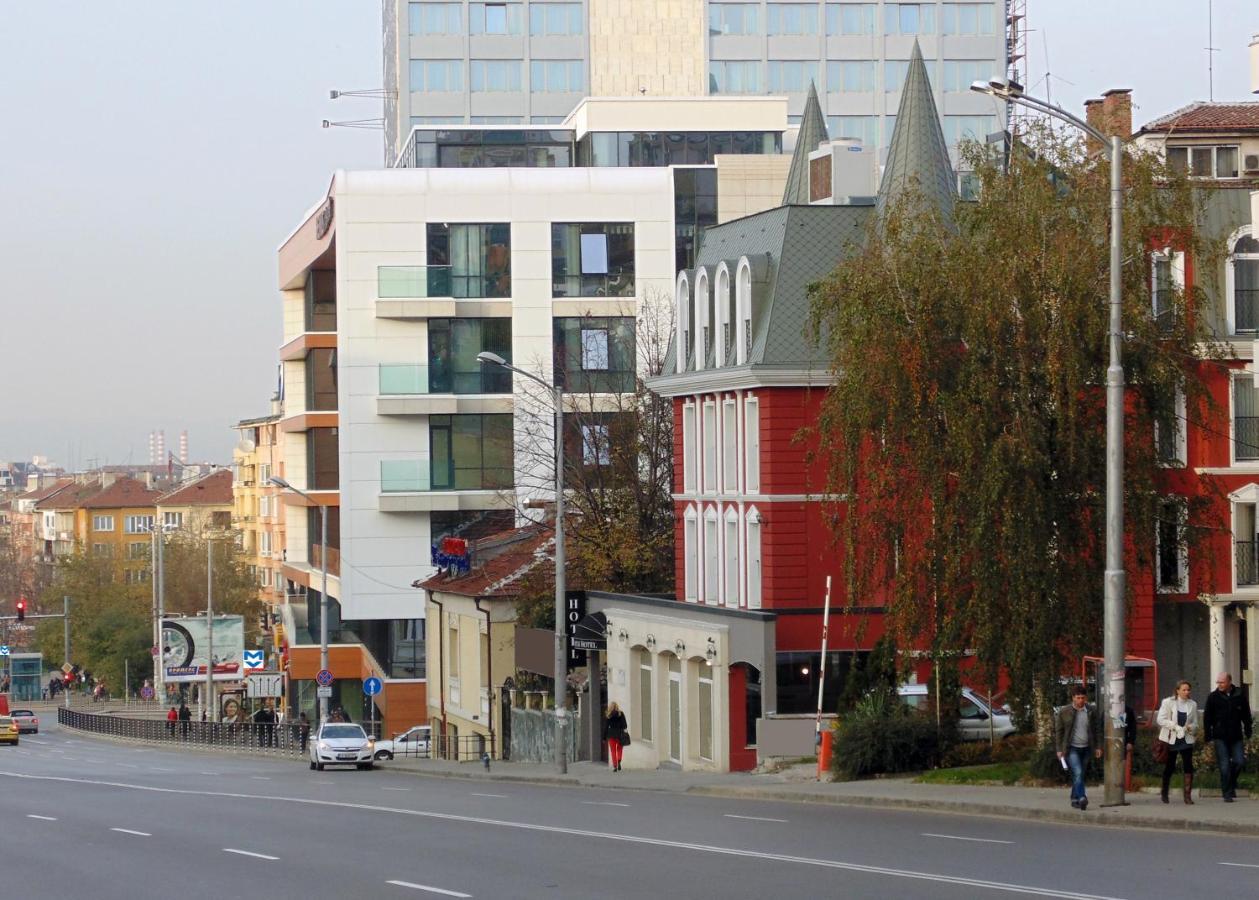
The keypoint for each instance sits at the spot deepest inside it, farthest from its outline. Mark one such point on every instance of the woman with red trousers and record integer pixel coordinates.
(614, 726)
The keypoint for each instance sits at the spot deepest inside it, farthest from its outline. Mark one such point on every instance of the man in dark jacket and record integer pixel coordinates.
(1227, 722)
(1077, 730)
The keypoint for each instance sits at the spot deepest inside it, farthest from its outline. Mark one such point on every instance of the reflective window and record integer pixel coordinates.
(494, 18)
(792, 18)
(436, 18)
(471, 452)
(453, 345)
(791, 75)
(321, 300)
(894, 72)
(322, 465)
(863, 128)
(494, 75)
(557, 76)
(909, 18)
(595, 354)
(469, 260)
(849, 18)
(436, 75)
(967, 18)
(694, 209)
(849, 76)
(964, 128)
(321, 379)
(960, 74)
(592, 260)
(555, 19)
(734, 77)
(732, 18)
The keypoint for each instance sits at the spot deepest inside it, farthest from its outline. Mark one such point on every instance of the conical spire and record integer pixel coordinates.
(918, 158)
(811, 135)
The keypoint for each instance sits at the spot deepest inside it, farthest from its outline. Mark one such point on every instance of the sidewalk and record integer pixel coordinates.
(797, 786)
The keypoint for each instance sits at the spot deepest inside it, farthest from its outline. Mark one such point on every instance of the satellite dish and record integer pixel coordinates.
(245, 446)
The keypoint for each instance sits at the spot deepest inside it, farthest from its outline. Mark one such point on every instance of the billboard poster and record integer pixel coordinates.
(184, 643)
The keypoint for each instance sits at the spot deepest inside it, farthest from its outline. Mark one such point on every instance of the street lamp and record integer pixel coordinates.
(1115, 578)
(561, 659)
(323, 593)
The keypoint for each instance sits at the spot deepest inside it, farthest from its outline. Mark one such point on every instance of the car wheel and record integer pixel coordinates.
(384, 754)
(319, 767)
(363, 767)
(312, 765)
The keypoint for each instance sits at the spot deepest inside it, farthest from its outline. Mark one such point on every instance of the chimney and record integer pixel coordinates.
(1111, 115)
(1093, 115)
(1254, 64)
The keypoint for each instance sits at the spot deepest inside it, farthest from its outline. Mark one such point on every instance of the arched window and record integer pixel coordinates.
(690, 554)
(703, 316)
(754, 558)
(682, 299)
(725, 314)
(733, 570)
(1243, 281)
(743, 309)
(712, 563)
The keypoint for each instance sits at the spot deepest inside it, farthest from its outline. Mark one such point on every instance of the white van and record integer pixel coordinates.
(976, 720)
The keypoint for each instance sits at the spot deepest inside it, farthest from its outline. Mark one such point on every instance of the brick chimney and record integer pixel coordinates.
(1111, 115)
(1093, 112)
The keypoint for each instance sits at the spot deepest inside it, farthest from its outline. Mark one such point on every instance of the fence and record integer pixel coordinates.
(279, 739)
(533, 735)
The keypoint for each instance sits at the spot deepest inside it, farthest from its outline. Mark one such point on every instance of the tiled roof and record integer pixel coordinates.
(123, 492)
(498, 567)
(811, 135)
(47, 490)
(1210, 117)
(70, 497)
(214, 489)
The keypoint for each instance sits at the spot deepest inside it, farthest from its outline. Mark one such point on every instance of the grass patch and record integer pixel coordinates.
(993, 773)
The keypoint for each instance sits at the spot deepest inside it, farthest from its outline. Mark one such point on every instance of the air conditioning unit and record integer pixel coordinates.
(1250, 163)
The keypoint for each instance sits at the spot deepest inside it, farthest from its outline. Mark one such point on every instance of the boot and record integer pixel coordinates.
(1189, 789)
(1167, 781)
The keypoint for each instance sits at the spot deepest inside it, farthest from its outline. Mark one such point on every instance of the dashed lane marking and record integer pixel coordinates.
(250, 853)
(41, 818)
(602, 803)
(497, 796)
(129, 831)
(958, 837)
(753, 818)
(425, 887)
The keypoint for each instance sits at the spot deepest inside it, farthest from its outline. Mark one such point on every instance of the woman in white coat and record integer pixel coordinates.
(1178, 727)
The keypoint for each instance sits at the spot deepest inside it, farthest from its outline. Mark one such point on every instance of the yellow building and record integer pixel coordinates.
(115, 520)
(256, 511)
(198, 506)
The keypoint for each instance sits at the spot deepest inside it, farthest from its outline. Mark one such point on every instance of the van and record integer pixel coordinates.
(976, 720)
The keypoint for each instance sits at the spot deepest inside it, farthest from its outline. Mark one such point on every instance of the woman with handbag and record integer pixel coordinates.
(614, 733)
(1177, 728)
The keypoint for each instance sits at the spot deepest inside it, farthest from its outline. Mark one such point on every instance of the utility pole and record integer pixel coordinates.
(159, 684)
(65, 612)
(209, 630)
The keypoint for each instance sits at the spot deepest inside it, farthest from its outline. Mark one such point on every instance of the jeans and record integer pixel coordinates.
(1078, 762)
(1231, 756)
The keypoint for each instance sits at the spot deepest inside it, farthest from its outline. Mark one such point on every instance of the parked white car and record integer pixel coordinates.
(341, 744)
(412, 742)
(976, 720)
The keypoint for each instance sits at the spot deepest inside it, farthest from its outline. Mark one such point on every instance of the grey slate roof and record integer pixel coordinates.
(811, 135)
(918, 158)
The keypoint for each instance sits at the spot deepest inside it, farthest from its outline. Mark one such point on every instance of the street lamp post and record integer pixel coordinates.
(1115, 578)
(561, 657)
(323, 592)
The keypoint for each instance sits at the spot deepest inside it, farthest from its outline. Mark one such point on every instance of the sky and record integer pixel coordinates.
(154, 154)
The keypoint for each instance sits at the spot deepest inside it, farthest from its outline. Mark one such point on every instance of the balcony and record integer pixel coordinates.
(424, 292)
(429, 390)
(1247, 555)
(408, 486)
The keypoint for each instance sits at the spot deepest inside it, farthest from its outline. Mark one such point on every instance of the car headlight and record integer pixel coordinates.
(371, 744)
(323, 746)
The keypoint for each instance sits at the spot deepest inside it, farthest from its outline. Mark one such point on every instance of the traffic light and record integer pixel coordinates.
(21, 609)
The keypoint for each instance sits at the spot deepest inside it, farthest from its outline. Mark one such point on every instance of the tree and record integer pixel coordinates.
(965, 423)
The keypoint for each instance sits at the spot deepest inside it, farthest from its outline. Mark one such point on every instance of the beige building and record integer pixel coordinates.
(198, 506)
(256, 511)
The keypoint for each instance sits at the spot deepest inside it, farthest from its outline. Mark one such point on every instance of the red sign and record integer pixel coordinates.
(453, 546)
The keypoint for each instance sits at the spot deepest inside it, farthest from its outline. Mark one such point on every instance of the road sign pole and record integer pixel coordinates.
(66, 622)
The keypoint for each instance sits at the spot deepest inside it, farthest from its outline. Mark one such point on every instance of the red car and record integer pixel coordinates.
(26, 720)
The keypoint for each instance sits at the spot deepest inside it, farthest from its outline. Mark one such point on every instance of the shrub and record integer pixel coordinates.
(882, 736)
(1015, 748)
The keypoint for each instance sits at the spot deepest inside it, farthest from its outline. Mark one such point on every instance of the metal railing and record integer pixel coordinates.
(281, 739)
(1247, 562)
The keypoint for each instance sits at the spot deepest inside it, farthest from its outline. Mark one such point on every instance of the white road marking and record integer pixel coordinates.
(70, 758)
(249, 853)
(260, 777)
(753, 818)
(41, 818)
(1239, 865)
(129, 831)
(395, 789)
(126, 766)
(210, 773)
(958, 837)
(431, 890)
(498, 796)
(602, 803)
(159, 769)
(611, 837)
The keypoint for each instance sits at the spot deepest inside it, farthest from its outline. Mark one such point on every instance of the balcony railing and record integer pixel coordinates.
(403, 379)
(1247, 553)
(418, 379)
(1246, 437)
(403, 476)
(422, 282)
(407, 476)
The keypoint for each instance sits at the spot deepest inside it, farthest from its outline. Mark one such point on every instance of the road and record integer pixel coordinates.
(100, 820)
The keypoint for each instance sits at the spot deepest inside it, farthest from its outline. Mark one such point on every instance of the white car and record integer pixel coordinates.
(341, 744)
(412, 742)
(976, 721)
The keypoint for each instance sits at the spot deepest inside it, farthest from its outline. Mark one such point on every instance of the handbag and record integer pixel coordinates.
(1161, 751)
(625, 741)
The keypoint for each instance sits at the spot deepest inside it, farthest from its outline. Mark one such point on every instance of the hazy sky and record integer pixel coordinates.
(154, 153)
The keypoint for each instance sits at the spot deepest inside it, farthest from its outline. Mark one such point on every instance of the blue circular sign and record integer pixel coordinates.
(371, 686)
(323, 678)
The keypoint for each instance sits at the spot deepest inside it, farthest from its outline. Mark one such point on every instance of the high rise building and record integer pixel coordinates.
(528, 62)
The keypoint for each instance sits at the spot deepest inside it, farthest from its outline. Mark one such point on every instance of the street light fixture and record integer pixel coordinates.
(1115, 577)
(323, 593)
(561, 659)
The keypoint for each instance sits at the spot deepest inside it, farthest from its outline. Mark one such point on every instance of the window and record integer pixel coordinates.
(592, 259)
(138, 524)
(471, 452)
(555, 19)
(322, 466)
(690, 554)
(752, 443)
(556, 76)
(494, 18)
(1162, 288)
(733, 569)
(791, 75)
(264, 507)
(102, 523)
(321, 301)
(730, 446)
(710, 446)
(264, 474)
(850, 76)
(705, 711)
(321, 378)
(595, 354)
(138, 550)
(862, 128)
(688, 448)
(595, 447)
(490, 75)
(960, 74)
(754, 559)
(792, 18)
(496, 120)
(104, 551)
(732, 18)
(1245, 419)
(264, 577)
(909, 18)
(967, 128)
(694, 209)
(264, 543)
(1204, 161)
(849, 18)
(453, 345)
(967, 18)
(734, 77)
(135, 576)
(712, 566)
(894, 72)
(466, 260)
(1172, 568)
(1169, 433)
(1242, 282)
(645, 718)
(436, 18)
(436, 76)
(172, 520)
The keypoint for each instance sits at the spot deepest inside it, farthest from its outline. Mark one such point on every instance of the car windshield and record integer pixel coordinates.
(23, 712)
(343, 732)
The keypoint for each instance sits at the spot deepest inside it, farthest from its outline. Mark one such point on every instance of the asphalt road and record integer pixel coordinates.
(92, 819)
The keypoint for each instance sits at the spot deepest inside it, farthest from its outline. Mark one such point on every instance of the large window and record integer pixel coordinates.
(555, 19)
(792, 18)
(690, 555)
(436, 18)
(102, 523)
(645, 710)
(849, 18)
(688, 448)
(791, 75)
(453, 345)
(1245, 418)
(732, 18)
(960, 74)
(495, 18)
(734, 77)
(1204, 161)
(1243, 283)
(628, 148)
(435, 76)
(862, 128)
(754, 559)
(321, 301)
(593, 259)
(321, 379)
(850, 76)
(490, 75)
(694, 209)
(909, 18)
(798, 673)
(894, 72)
(138, 524)
(468, 260)
(471, 452)
(595, 354)
(556, 76)
(322, 465)
(967, 128)
(967, 18)
(1172, 568)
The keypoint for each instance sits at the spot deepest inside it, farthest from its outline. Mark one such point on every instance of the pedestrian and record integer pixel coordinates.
(1226, 721)
(185, 717)
(614, 732)
(1178, 727)
(171, 718)
(1077, 730)
(303, 730)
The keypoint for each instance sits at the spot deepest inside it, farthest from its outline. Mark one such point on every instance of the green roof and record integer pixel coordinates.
(811, 136)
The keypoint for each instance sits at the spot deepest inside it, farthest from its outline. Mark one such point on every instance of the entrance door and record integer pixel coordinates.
(675, 709)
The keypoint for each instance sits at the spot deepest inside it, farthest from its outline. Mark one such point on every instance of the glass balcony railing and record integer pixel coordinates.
(404, 379)
(409, 476)
(401, 476)
(415, 379)
(422, 282)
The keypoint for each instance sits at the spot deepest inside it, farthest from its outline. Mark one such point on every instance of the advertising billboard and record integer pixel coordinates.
(184, 643)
